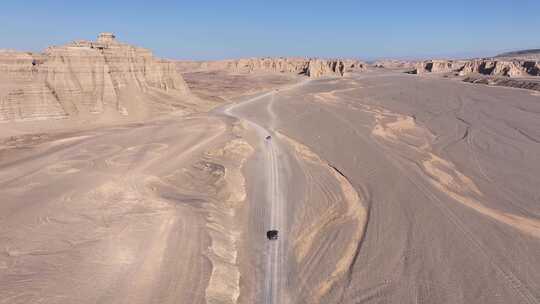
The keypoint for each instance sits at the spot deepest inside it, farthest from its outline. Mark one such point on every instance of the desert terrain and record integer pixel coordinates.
(131, 179)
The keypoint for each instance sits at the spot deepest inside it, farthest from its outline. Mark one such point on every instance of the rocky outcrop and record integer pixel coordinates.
(514, 68)
(491, 67)
(277, 65)
(87, 78)
(314, 68)
(438, 66)
(394, 64)
(320, 68)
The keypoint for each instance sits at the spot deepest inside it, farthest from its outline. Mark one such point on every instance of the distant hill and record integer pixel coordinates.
(523, 54)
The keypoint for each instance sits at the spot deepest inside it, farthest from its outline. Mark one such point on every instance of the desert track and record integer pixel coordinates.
(274, 200)
(321, 186)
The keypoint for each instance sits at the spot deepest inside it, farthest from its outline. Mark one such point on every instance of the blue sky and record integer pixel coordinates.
(231, 29)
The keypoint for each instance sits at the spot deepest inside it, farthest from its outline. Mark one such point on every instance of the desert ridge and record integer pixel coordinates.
(491, 67)
(310, 67)
(88, 77)
(109, 80)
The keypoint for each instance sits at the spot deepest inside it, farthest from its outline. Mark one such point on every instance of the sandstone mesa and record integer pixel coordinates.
(107, 79)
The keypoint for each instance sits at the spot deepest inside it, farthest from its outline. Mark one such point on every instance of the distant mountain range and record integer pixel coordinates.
(522, 54)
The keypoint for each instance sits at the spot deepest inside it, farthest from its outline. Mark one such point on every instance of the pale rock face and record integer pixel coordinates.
(514, 68)
(439, 66)
(491, 67)
(280, 65)
(319, 68)
(23, 92)
(86, 77)
(394, 64)
(302, 66)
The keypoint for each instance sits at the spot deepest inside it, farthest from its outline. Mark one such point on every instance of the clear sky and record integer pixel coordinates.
(203, 29)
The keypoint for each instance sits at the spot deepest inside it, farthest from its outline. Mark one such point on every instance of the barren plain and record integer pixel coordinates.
(385, 187)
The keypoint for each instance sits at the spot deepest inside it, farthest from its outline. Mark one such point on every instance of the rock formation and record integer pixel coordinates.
(85, 78)
(394, 64)
(514, 68)
(438, 66)
(314, 68)
(491, 67)
(320, 68)
(496, 72)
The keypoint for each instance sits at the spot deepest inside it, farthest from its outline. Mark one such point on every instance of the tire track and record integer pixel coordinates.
(274, 165)
(274, 280)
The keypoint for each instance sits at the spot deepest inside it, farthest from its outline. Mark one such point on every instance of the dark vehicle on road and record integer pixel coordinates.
(268, 137)
(272, 235)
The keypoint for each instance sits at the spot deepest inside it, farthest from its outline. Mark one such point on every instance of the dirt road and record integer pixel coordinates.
(272, 203)
(295, 178)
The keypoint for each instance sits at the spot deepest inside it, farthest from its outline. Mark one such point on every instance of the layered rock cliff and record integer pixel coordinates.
(514, 68)
(491, 67)
(438, 66)
(88, 78)
(303, 66)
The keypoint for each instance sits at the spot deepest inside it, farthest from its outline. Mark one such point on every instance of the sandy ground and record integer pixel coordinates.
(135, 214)
(446, 173)
(223, 86)
(385, 187)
